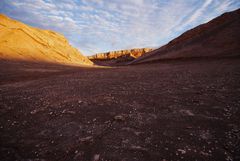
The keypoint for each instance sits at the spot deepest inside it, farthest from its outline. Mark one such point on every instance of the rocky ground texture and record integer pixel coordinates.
(170, 110)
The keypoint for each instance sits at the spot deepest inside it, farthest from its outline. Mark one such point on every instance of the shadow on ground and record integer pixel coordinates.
(172, 110)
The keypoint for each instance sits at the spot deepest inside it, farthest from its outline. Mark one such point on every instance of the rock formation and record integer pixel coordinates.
(135, 53)
(19, 41)
(120, 57)
(217, 38)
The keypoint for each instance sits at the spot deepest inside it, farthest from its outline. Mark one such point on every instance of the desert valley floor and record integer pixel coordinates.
(169, 110)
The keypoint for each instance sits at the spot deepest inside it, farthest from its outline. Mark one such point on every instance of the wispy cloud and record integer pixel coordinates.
(103, 25)
(198, 13)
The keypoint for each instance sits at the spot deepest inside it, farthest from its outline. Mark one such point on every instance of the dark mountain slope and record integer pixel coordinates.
(217, 38)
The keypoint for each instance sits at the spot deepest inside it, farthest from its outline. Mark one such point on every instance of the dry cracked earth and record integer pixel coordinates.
(170, 110)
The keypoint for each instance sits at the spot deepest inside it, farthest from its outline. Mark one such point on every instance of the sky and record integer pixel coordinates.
(95, 26)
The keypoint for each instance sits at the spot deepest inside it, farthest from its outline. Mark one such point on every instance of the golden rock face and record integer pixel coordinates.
(116, 54)
(22, 42)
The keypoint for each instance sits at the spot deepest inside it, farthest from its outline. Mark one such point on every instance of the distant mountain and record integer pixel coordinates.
(217, 38)
(118, 57)
(19, 41)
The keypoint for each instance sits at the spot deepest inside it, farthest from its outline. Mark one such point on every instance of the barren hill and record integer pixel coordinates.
(19, 41)
(118, 57)
(217, 38)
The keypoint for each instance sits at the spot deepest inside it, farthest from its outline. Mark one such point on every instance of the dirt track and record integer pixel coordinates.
(178, 110)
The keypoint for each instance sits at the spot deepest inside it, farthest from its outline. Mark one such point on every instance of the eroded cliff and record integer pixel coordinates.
(135, 53)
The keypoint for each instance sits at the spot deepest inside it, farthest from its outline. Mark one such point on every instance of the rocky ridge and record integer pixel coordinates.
(134, 53)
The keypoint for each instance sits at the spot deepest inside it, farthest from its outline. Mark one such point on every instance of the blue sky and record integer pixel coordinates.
(95, 26)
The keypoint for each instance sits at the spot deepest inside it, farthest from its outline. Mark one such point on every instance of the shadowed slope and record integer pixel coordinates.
(217, 38)
(22, 42)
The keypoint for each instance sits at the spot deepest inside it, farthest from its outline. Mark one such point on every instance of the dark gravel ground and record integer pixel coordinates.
(172, 110)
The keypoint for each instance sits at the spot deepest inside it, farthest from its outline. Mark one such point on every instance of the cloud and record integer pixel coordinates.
(34, 5)
(226, 5)
(103, 25)
(198, 13)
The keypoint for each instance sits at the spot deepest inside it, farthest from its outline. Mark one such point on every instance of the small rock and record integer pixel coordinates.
(148, 140)
(119, 118)
(33, 112)
(182, 151)
(125, 141)
(137, 133)
(87, 139)
(204, 153)
(96, 157)
(79, 155)
(13, 123)
(68, 112)
(133, 147)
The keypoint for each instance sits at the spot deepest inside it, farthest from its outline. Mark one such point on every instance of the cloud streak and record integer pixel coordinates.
(103, 25)
(197, 14)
